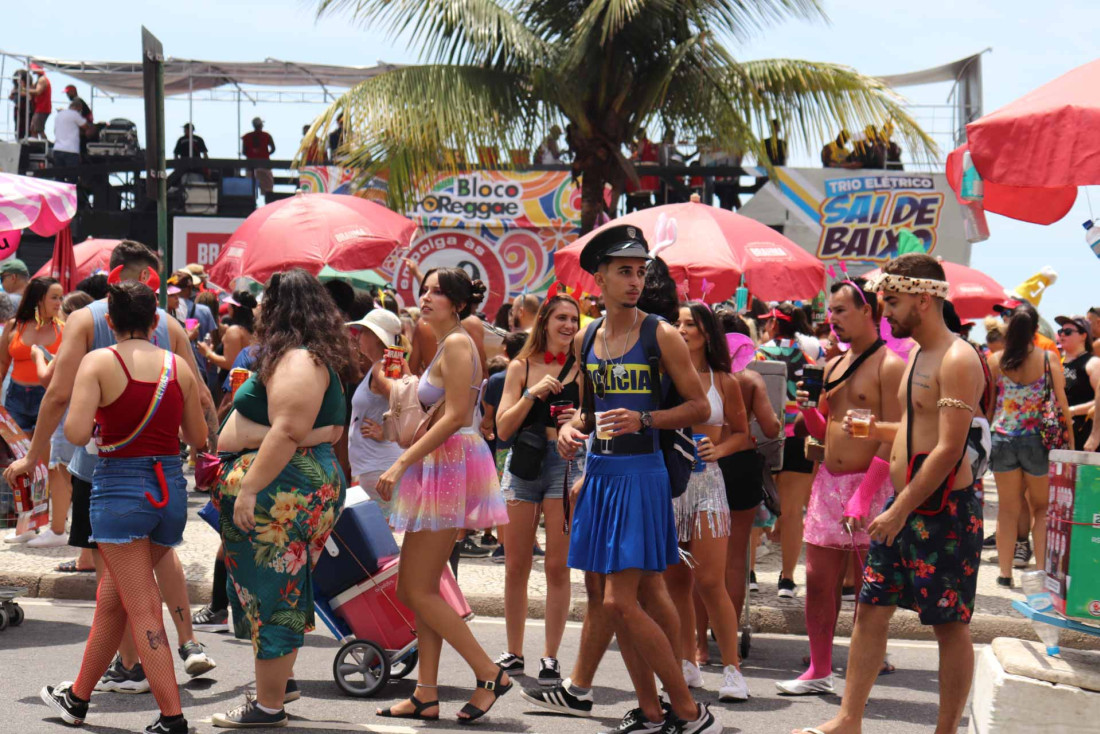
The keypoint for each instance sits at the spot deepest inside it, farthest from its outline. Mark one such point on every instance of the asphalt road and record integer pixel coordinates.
(47, 649)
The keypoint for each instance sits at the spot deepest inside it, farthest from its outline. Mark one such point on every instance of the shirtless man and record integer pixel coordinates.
(912, 562)
(854, 481)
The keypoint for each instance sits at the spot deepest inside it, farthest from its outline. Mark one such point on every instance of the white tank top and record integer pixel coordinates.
(366, 454)
(717, 405)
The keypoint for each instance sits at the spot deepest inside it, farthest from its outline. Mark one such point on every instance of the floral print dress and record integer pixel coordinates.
(270, 568)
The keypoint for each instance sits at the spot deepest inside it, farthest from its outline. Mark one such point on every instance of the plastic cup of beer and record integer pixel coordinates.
(861, 423)
(601, 433)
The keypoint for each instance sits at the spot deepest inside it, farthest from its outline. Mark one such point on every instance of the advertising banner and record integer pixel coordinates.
(200, 239)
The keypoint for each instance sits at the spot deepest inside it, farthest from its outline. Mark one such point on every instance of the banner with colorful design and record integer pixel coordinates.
(499, 226)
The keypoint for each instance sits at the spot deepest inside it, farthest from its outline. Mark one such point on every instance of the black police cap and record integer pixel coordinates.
(623, 240)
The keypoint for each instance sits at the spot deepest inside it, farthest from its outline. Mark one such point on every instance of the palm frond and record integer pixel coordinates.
(417, 120)
(465, 32)
(744, 18)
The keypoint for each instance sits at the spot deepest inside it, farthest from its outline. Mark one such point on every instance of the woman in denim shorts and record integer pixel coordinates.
(541, 391)
(138, 398)
(1027, 375)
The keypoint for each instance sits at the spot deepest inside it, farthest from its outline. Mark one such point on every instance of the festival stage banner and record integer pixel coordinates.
(499, 226)
(855, 215)
(200, 239)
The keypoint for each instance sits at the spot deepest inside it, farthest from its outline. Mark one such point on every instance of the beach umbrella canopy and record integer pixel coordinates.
(310, 231)
(43, 206)
(89, 257)
(713, 249)
(972, 292)
(362, 279)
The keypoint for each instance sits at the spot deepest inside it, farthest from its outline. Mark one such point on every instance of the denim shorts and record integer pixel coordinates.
(61, 451)
(549, 484)
(123, 492)
(22, 403)
(1019, 452)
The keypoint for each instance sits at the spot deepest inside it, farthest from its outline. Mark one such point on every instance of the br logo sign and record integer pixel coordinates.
(203, 247)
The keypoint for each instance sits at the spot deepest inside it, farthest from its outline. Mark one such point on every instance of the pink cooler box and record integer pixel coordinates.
(372, 611)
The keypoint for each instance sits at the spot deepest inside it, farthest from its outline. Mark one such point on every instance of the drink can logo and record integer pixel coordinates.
(1094, 607)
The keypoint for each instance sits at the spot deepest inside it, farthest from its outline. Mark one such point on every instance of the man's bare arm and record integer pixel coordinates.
(676, 361)
(890, 376)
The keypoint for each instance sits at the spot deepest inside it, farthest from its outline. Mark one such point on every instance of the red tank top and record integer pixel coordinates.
(117, 421)
(43, 101)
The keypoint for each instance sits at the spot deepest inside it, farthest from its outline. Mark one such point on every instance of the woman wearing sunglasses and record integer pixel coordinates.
(1082, 369)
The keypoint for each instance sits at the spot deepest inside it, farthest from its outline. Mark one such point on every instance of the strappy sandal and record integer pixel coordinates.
(473, 713)
(417, 712)
(70, 567)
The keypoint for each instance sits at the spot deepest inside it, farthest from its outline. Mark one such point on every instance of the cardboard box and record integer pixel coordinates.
(1073, 534)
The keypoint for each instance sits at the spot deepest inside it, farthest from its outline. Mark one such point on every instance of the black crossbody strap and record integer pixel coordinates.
(855, 365)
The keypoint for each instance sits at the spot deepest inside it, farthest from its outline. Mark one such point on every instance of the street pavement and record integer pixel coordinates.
(47, 649)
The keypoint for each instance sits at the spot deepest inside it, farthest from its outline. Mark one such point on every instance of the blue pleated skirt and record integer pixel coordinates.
(623, 518)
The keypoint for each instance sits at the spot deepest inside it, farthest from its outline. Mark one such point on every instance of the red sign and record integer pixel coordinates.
(203, 247)
(455, 248)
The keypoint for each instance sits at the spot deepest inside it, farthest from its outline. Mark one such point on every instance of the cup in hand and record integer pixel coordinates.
(601, 434)
(861, 422)
(813, 379)
(700, 466)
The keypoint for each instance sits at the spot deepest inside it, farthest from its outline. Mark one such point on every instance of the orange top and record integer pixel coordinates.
(23, 368)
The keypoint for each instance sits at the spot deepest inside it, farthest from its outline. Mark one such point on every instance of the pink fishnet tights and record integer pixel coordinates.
(825, 569)
(128, 590)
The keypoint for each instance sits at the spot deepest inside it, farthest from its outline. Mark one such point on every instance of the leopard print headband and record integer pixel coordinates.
(905, 284)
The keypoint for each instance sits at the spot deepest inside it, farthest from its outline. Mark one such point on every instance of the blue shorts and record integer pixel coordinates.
(61, 451)
(550, 482)
(1019, 452)
(120, 510)
(22, 403)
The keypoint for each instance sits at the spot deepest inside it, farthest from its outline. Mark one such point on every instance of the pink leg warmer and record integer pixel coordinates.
(860, 504)
(825, 569)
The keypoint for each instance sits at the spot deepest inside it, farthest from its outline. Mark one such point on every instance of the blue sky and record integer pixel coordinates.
(1032, 44)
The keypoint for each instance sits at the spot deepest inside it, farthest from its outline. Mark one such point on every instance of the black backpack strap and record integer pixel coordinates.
(588, 404)
(652, 352)
(589, 340)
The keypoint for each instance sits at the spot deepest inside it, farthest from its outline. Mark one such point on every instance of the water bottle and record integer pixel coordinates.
(972, 188)
(1038, 598)
(1092, 236)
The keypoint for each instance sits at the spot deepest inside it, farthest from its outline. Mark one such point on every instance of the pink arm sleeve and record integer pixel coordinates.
(860, 504)
(815, 422)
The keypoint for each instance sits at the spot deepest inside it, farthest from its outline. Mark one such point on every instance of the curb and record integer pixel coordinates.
(764, 619)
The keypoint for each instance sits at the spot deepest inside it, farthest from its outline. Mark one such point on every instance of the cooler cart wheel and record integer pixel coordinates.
(361, 668)
(746, 642)
(16, 614)
(401, 668)
(3, 619)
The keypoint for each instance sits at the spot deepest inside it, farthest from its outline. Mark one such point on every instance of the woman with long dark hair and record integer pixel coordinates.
(138, 398)
(36, 323)
(448, 484)
(785, 323)
(544, 374)
(702, 511)
(280, 497)
(1027, 376)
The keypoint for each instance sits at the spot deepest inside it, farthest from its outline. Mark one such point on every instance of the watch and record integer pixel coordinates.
(527, 394)
(647, 420)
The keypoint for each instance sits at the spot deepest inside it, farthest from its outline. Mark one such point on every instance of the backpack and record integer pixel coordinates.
(406, 421)
(677, 445)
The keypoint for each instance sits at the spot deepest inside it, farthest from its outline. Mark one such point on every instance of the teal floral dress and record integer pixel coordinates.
(270, 568)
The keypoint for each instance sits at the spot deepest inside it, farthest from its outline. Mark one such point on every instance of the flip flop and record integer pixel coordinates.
(70, 567)
(810, 730)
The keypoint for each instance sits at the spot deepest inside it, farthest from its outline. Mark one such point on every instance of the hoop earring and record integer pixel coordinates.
(38, 317)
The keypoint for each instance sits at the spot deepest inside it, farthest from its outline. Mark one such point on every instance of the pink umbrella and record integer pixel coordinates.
(714, 248)
(89, 257)
(46, 207)
(973, 293)
(311, 231)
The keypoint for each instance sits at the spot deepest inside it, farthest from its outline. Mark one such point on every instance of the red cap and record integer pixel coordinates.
(36, 67)
(70, 88)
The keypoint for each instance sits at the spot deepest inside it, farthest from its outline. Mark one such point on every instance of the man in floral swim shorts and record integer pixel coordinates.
(926, 543)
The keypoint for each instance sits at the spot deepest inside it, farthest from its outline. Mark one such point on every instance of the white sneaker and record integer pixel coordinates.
(21, 538)
(692, 674)
(48, 539)
(734, 687)
(808, 687)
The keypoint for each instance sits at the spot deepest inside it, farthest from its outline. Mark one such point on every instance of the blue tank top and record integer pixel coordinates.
(632, 389)
(83, 463)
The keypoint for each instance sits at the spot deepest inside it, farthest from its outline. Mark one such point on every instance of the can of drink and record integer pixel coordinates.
(237, 377)
(700, 466)
(391, 362)
(559, 407)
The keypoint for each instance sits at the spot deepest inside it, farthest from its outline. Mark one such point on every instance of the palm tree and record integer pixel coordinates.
(497, 71)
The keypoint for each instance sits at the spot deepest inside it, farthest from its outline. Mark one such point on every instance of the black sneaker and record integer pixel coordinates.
(59, 699)
(990, 540)
(510, 664)
(538, 552)
(249, 716)
(1004, 581)
(634, 720)
(292, 692)
(1022, 555)
(705, 724)
(178, 725)
(209, 620)
(498, 554)
(786, 588)
(558, 698)
(848, 593)
(467, 548)
(195, 660)
(550, 672)
(489, 540)
(753, 586)
(119, 679)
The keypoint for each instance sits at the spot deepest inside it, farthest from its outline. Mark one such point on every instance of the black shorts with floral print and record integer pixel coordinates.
(932, 567)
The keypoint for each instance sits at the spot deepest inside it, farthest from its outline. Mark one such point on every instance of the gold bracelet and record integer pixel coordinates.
(953, 403)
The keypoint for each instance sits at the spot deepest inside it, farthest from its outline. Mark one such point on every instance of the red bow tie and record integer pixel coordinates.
(559, 358)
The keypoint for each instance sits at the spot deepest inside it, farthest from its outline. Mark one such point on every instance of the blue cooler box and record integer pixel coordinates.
(360, 540)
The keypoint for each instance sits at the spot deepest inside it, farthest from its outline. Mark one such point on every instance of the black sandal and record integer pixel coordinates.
(473, 713)
(416, 713)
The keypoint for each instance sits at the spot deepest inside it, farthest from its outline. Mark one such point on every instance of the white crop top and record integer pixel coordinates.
(717, 405)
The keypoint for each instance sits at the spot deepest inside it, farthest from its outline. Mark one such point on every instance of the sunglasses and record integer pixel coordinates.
(599, 379)
(1069, 332)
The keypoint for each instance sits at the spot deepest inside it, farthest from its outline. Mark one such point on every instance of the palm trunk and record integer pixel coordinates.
(592, 201)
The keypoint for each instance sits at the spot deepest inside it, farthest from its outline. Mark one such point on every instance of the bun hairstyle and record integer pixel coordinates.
(132, 307)
(465, 294)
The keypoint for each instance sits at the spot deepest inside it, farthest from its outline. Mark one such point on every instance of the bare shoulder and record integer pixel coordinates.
(458, 344)
(892, 364)
(961, 356)
(299, 363)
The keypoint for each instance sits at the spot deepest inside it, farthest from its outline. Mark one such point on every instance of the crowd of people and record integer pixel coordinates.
(576, 426)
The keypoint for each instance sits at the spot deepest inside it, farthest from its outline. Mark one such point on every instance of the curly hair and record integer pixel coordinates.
(299, 312)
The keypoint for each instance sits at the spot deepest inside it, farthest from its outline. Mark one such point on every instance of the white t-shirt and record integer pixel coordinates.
(66, 131)
(366, 454)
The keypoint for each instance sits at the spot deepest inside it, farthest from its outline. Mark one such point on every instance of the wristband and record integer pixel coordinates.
(860, 504)
(815, 422)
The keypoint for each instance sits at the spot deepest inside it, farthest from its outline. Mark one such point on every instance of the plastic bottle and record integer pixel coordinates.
(1038, 598)
(972, 188)
(1092, 236)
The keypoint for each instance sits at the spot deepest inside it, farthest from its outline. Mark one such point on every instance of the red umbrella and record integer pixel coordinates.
(1034, 152)
(311, 231)
(973, 293)
(63, 262)
(89, 257)
(716, 246)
